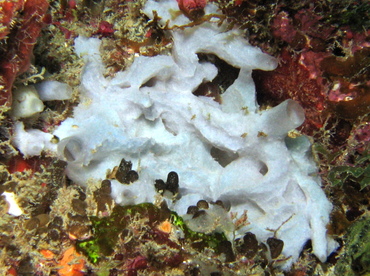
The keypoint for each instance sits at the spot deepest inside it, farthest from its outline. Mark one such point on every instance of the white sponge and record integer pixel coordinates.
(26, 102)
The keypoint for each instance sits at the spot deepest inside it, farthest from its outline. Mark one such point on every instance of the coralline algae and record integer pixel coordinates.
(231, 151)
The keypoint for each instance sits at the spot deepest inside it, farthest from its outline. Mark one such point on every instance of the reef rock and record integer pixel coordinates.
(226, 150)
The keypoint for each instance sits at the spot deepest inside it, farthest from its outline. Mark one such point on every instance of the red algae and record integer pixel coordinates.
(322, 65)
(192, 8)
(20, 41)
(291, 80)
(8, 10)
(105, 29)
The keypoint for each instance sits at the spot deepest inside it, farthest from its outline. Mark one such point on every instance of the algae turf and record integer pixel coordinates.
(200, 240)
(107, 230)
(129, 228)
(359, 172)
(356, 259)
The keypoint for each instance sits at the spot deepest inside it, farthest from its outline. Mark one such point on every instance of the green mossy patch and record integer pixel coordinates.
(356, 258)
(108, 230)
(359, 172)
(198, 240)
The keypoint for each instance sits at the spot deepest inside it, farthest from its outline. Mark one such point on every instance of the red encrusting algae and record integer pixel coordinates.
(19, 40)
(192, 8)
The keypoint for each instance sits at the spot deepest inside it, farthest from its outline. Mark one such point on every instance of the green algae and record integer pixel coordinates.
(106, 230)
(198, 240)
(356, 258)
(355, 14)
(145, 217)
(359, 172)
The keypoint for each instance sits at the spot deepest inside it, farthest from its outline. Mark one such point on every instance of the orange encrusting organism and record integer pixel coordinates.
(72, 264)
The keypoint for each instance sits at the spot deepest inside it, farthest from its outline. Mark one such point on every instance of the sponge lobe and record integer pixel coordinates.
(230, 151)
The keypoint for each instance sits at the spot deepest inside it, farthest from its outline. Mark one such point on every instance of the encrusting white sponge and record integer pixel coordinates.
(231, 151)
(26, 102)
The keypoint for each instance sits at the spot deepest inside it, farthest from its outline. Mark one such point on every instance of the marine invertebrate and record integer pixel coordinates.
(172, 184)
(149, 115)
(26, 102)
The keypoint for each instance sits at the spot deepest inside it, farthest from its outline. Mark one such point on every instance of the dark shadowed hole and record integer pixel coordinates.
(337, 51)
(226, 75)
(149, 83)
(223, 157)
(264, 169)
(208, 89)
